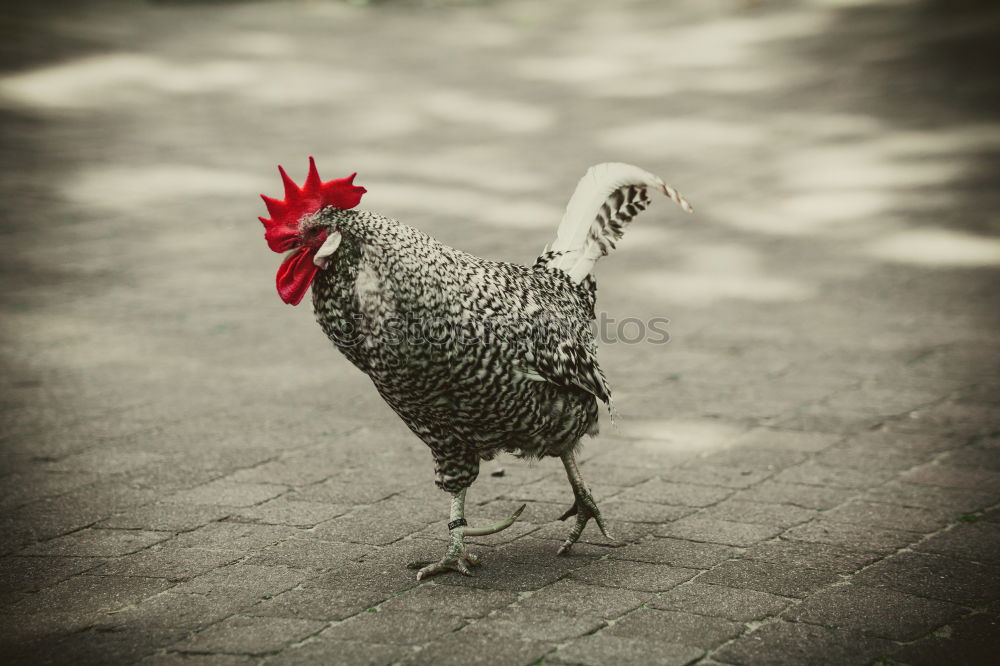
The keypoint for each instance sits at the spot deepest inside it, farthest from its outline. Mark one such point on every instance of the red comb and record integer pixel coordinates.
(282, 229)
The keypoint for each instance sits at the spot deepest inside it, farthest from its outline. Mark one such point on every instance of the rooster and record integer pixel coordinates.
(475, 356)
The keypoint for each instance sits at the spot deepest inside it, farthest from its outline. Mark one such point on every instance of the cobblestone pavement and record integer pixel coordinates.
(808, 473)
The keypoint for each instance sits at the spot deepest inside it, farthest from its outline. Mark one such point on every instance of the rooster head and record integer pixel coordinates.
(286, 232)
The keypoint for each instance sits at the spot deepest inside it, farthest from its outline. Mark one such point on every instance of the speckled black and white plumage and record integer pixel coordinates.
(479, 356)
(512, 364)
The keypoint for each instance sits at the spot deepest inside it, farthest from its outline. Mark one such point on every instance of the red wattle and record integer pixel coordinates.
(295, 275)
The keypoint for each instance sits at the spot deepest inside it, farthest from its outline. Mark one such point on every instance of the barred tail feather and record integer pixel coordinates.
(606, 199)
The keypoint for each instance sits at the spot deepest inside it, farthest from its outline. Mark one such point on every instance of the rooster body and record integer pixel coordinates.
(475, 356)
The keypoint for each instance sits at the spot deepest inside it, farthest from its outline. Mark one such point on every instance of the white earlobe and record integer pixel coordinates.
(327, 248)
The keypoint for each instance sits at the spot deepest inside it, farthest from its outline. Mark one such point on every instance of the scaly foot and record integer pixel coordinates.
(458, 558)
(584, 509)
(461, 563)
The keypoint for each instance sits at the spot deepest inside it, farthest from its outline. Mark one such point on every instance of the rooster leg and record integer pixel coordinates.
(458, 558)
(584, 508)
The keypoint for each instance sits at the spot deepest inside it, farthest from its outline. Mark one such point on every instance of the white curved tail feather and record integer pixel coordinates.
(605, 200)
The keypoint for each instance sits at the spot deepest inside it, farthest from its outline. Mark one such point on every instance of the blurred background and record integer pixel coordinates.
(841, 156)
(840, 271)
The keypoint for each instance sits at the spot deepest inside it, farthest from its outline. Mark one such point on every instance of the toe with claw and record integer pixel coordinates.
(584, 509)
(458, 558)
(462, 563)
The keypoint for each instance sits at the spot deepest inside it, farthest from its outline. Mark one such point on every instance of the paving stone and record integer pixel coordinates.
(956, 500)
(464, 602)
(883, 401)
(178, 474)
(168, 517)
(719, 601)
(110, 460)
(781, 579)
(360, 528)
(309, 554)
(90, 594)
(603, 648)
(980, 458)
(466, 647)
(25, 633)
(879, 612)
(228, 493)
(233, 536)
(537, 624)
(758, 459)
(396, 627)
(810, 555)
(571, 596)
(520, 572)
(708, 475)
(335, 491)
(245, 581)
(892, 442)
(726, 532)
(31, 574)
(533, 548)
(684, 494)
(614, 475)
(856, 457)
(945, 578)
(638, 576)
(281, 511)
(891, 516)
(250, 635)
(779, 515)
(815, 474)
(807, 497)
(676, 552)
(971, 541)
(546, 490)
(640, 452)
(984, 480)
(676, 627)
(770, 439)
(182, 659)
(290, 470)
(84, 648)
(970, 641)
(622, 531)
(98, 543)
(954, 417)
(169, 563)
(21, 488)
(873, 539)
(824, 418)
(324, 651)
(368, 576)
(171, 616)
(313, 603)
(790, 643)
(434, 510)
(643, 512)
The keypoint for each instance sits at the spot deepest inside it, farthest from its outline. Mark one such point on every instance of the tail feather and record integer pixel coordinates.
(606, 199)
